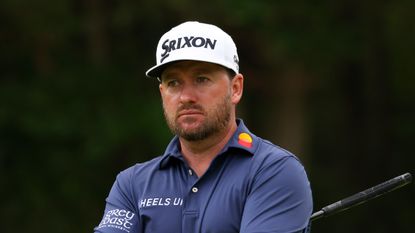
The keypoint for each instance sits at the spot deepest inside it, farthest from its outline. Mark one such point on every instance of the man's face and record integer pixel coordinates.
(198, 99)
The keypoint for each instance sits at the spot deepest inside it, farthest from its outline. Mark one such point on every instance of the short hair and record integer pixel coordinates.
(231, 73)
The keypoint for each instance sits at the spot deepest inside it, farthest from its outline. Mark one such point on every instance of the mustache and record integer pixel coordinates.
(189, 106)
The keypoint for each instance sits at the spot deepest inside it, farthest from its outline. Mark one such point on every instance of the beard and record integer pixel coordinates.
(215, 120)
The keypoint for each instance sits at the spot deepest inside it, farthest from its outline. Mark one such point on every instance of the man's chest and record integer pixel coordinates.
(177, 201)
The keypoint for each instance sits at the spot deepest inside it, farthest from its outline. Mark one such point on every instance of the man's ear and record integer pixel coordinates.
(237, 88)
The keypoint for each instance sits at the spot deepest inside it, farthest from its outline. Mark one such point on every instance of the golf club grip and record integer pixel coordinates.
(364, 196)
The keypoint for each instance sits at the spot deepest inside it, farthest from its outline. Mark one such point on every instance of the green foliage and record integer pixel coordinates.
(76, 108)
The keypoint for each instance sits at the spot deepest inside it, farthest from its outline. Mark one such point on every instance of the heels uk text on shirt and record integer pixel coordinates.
(160, 201)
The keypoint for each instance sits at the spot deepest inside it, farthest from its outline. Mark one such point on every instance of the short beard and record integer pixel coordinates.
(215, 122)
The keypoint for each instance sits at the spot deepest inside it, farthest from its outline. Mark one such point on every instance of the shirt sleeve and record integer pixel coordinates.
(120, 215)
(280, 200)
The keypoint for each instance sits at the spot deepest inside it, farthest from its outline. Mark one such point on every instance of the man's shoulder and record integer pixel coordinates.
(268, 154)
(267, 149)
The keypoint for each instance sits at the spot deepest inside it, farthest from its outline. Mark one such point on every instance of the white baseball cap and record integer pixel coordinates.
(197, 42)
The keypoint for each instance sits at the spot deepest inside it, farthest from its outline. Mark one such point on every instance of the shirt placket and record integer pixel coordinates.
(191, 204)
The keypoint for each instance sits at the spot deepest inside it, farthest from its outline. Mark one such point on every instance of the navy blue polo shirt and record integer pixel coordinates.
(250, 186)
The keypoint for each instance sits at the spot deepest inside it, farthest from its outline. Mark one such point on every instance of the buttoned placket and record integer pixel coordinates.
(195, 198)
(191, 203)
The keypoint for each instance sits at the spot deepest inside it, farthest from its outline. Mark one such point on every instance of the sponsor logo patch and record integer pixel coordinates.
(186, 42)
(119, 219)
(160, 202)
(245, 140)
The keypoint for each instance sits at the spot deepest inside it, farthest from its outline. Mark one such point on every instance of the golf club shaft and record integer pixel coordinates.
(363, 196)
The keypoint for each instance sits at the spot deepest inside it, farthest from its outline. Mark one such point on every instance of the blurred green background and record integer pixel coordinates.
(332, 81)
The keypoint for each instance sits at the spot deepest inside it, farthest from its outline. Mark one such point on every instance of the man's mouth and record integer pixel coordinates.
(189, 112)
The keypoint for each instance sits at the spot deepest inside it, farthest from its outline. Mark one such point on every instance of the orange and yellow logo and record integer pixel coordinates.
(245, 140)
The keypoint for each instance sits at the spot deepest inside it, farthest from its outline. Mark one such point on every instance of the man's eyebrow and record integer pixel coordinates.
(168, 75)
(204, 70)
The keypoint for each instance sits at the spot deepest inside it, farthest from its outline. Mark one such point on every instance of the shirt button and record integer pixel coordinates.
(194, 189)
(190, 172)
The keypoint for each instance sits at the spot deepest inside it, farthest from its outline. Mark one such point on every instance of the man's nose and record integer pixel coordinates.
(188, 93)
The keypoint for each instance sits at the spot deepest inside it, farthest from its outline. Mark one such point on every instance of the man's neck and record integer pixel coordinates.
(199, 154)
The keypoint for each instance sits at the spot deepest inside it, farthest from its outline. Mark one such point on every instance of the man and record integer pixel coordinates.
(215, 175)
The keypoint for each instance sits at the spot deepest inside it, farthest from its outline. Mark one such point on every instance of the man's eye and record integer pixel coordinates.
(172, 83)
(202, 79)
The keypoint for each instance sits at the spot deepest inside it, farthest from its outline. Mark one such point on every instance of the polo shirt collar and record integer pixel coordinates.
(242, 139)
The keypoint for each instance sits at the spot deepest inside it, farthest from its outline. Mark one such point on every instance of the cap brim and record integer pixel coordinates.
(155, 71)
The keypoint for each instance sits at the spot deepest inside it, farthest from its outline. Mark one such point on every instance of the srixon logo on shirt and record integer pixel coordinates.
(186, 42)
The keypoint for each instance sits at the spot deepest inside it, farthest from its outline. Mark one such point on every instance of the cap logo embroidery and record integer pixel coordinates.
(236, 60)
(245, 139)
(183, 42)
